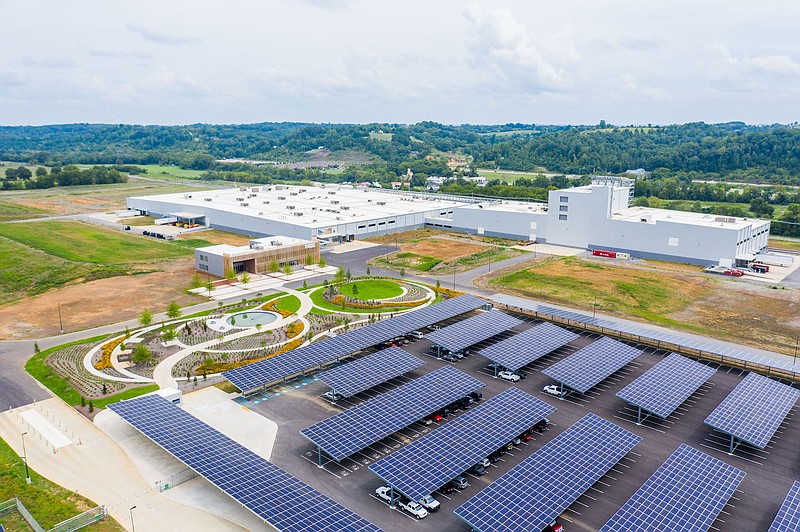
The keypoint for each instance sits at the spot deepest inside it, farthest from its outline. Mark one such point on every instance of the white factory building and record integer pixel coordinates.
(595, 216)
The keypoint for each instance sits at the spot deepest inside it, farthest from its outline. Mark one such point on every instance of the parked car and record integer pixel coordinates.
(459, 483)
(522, 374)
(436, 417)
(416, 334)
(552, 389)
(447, 488)
(429, 503)
(526, 436)
(541, 426)
(433, 327)
(332, 396)
(384, 494)
(450, 358)
(476, 396)
(494, 366)
(414, 508)
(495, 456)
(477, 470)
(554, 527)
(485, 462)
(733, 272)
(508, 376)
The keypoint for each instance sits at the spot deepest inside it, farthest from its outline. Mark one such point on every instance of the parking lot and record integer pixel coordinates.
(769, 472)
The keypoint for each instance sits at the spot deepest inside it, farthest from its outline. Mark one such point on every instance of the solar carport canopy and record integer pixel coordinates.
(665, 386)
(473, 330)
(685, 494)
(371, 370)
(529, 345)
(371, 421)
(788, 518)
(431, 461)
(532, 494)
(250, 377)
(271, 493)
(754, 410)
(587, 367)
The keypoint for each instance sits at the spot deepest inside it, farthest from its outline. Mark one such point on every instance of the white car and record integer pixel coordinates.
(414, 508)
(384, 493)
(508, 376)
(552, 389)
(332, 396)
(429, 503)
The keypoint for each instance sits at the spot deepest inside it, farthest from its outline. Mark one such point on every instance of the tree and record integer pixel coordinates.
(41, 172)
(322, 262)
(305, 284)
(83, 401)
(348, 275)
(230, 274)
(141, 354)
(287, 269)
(127, 332)
(244, 279)
(438, 286)
(105, 389)
(274, 267)
(169, 334)
(760, 207)
(91, 406)
(339, 276)
(36, 349)
(173, 310)
(355, 289)
(145, 318)
(196, 281)
(210, 286)
(368, 272)
(309, 260)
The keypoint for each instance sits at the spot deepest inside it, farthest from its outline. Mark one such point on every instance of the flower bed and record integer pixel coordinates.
(218, 367)
(105, 354)
(272, 306)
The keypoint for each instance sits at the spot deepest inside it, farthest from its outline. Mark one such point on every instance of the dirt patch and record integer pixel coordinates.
(442, 248)
(98, 302)
(218, 237)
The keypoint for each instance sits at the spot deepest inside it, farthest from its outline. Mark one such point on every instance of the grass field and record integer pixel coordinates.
(508, 177)
(785, 243)
(156, 170)
(381, 136)
(369, 289)
(320, 301)
(47, 502)
(137, 221)
(13, 211)
(510, 133)
(289, 303)
(85, 243)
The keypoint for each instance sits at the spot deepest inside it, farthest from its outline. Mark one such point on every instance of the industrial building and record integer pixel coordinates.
(257, 257)
(596, 216)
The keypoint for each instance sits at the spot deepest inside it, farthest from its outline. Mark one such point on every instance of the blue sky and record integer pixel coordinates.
(573, 62)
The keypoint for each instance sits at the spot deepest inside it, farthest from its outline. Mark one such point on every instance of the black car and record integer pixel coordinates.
(476, 396)
(522, 374)
(494, 366)
(450, 358)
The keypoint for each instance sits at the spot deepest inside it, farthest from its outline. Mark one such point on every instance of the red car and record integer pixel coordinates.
(436, 418)
(554, 527)
(733, 272)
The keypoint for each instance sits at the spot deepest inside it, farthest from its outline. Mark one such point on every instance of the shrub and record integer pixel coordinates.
(105, 354)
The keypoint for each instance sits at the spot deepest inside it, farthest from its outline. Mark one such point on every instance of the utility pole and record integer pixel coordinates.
(133, 527)
(25, 459)
(594, 307)
(60, 323)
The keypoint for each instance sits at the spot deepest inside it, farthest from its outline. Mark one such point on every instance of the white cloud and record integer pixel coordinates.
(49, 62)
(154, 33)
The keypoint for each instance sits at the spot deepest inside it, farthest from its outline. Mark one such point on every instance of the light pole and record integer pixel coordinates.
(133, 526)
(60, 323)
(594, 307)
(25, 459)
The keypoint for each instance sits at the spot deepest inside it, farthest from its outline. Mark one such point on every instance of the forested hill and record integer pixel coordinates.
(734, 151)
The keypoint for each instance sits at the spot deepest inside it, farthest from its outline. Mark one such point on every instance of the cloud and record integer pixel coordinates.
(12, 78)
(151, 32)
(329, 4)
(49, 62)
(502, 47)
(118, 54)
(164, 80)
(632, 83)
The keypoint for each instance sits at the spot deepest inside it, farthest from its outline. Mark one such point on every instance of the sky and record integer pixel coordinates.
(357, 61)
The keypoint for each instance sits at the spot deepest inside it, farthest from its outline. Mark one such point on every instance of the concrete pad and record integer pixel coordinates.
(40, 425)
(350, 246)
(551, 249)
(98, 469)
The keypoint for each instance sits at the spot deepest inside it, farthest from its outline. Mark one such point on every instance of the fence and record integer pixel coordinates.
(175, 479)
(73, 523)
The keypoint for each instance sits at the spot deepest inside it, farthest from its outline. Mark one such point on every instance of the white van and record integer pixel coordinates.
(416, 334)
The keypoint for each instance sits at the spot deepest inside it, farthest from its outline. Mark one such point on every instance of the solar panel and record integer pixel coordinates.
(473, 330)
(665, 386)
(248, 378)
(754, 410)
(589, 366)
(529, 345)
(788, 518)
(532, 494)
(431, 461)
(352, 430)
(686, 493)
(271, 493)
(364, 373)
(650, 333)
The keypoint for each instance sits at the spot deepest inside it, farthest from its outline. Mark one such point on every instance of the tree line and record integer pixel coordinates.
(22, 178)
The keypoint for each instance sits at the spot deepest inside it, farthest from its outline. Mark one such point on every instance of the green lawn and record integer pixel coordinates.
(154, 170)
(85, 243)
(48, 502)
(369, 289)
(381, 136)
(13, 211)
(289, 303)
(508, 177)
(27, 272)
(785, 243)
(316, 297)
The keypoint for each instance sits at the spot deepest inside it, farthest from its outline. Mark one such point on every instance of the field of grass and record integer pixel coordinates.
(508, 177)
(369, 289)
(47, 502)
(320, 301)
(86, 243)
(406, 259)
(156, 170)
(381, 136)
(785, 243)
(27, 272)
(137, 221)
(12, 211)
(510, 133)
(288, 303)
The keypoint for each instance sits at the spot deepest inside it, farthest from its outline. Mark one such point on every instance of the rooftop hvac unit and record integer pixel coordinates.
(265, 202)
(255, 189)
(281, 197)
(290, 207)
(313, 208)
(252, 195)
(725, 219)
(239, 199)
(245, 204)
(275, 243)
(242, 189)
(187, 196)
(207, 199)
(331, 192)
(381, 203)
(298, 213)
(256, 245)
(369, 201)
(345, 208)
(335, 202)
(301, 190)
(261, 213)
(293, 193)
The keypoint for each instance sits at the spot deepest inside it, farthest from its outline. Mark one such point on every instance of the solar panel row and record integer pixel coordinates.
(788, 518)
(686, 493)
(633, 330)
(532, 494)
(665, 386)
(473, 330)
(252, 376)
(589, 366)
(431, 461)
(371, 370)
(529, 345)
(754, 410)
(272, 494)
(352, 430)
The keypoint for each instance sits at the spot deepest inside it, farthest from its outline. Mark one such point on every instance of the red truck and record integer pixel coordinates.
(759, 267)
(733, 272)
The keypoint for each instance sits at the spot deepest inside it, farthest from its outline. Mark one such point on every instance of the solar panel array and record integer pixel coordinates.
(788, 518)
(352, 430)
(473, 330)
(754, 410)
(364, 373)
(252, 376)
(532, 494)
(529, 345)
(665, 386)
(431, 461)
(589, 366)
(653, 334)
(686, 493)
(271, 493)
